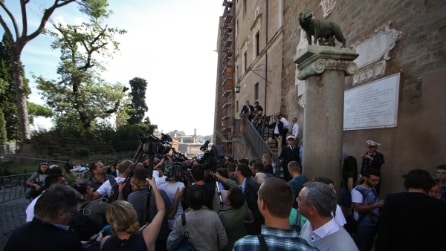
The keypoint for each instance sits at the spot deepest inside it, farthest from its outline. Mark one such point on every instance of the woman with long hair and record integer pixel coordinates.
(348, 182)
(267, 162)
(37, 181)
(123, 220)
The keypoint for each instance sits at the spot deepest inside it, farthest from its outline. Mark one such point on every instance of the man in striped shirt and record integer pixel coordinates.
(275, 200)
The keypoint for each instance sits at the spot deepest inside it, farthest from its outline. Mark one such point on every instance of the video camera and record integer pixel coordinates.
(211, 159)
(152, 145)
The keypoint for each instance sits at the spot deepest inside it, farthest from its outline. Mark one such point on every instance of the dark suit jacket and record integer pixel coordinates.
(378, 161)
(251, 189)
(245, 109)
(287, 154)
(37, 235)
(280, 126)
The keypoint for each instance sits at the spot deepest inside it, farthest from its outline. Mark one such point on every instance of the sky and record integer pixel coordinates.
(169, 43)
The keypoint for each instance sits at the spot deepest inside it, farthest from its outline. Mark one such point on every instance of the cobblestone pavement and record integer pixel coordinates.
(12, 215)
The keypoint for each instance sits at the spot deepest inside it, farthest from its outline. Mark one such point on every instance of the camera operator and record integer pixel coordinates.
(244, 180)
(107, 188)
(166, 138)
(198, 177)
(174, 189)
(158, 171)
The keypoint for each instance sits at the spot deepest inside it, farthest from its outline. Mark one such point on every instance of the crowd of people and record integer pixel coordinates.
(241, 205)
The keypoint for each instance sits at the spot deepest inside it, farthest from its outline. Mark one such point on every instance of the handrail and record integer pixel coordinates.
(13, 186)
(256, 140)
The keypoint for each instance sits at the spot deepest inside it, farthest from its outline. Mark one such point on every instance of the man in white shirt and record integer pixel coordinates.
(295, 129)
(49, 180)
(106, 189)
(316, 202)
(286, 128)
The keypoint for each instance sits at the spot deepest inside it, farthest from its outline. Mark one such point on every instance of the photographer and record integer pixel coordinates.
(98, 174)
(108, 189)
(206, 231)
(174, 190)
(144, 202)
(198, 176)
(244, 180)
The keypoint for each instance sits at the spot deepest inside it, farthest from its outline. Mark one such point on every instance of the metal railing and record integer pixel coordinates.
(256, 140)
(13, 187)
(260, 146)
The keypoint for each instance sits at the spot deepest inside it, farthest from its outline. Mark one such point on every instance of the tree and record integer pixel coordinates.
(81, 96)
(19, 38)
(138, 88)
(3, 134)
(7, 90)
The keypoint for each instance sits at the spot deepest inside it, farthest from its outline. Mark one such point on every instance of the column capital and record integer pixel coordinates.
(314, 60)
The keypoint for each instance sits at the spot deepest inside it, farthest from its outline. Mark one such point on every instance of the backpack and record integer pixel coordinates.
(352, 225)
(182, 243)
(82, 226)
(115, 189)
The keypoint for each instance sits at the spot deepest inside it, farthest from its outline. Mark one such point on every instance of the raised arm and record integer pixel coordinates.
(230, 183)
(150, 233)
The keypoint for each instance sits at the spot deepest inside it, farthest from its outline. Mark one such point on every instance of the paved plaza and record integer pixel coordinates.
(12, 215)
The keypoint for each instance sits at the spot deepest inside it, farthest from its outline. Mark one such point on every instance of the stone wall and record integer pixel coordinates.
(419, 55)
(57, 147)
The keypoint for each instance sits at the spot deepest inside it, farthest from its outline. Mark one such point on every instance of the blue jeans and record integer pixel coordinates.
(365, 237)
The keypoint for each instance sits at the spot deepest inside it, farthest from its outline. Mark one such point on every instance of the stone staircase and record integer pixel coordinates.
(271, 144)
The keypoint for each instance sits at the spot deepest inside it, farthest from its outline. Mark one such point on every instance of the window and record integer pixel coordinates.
(256, 91)
(236, 72)
(236, 28)
(257, 44)
(236, 106)
(245, 61)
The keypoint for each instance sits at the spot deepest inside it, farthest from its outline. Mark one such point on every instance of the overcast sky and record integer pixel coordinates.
(169, 43)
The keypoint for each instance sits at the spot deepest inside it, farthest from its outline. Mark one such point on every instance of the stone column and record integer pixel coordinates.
(324, 69)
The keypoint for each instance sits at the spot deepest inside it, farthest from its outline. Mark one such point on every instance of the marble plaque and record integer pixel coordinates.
(373, 105)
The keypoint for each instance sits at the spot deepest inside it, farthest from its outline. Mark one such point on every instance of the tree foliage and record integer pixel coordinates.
(80, 95)
(39, 110)
(138, 88)
(3, 134)
(17, 31)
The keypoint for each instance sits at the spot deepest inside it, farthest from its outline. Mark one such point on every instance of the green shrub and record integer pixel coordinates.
(126, 138)
(82, 151)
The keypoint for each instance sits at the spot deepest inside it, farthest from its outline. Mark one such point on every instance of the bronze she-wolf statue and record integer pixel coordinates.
(324, 32)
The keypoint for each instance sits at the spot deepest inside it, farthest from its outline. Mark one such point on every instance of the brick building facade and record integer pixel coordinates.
(396, 37)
